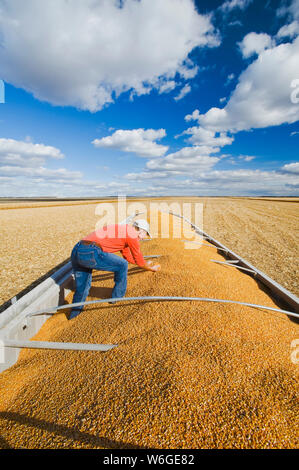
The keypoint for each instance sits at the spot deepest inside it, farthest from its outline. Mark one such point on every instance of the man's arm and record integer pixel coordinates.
(133, 255)
(134, 249)
(126, 252)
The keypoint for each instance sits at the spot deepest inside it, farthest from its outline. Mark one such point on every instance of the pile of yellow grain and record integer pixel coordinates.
(185, 375)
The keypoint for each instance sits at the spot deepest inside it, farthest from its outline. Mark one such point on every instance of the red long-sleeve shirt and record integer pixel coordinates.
(123, 238)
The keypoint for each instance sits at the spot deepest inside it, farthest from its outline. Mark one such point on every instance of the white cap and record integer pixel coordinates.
(143, 224)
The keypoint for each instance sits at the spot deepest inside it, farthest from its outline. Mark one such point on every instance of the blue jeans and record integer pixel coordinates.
(84, 259)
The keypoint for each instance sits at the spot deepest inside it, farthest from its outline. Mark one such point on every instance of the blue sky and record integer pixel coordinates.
(149, 98)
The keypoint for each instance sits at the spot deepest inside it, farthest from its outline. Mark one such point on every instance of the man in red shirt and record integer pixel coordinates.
(96, 252)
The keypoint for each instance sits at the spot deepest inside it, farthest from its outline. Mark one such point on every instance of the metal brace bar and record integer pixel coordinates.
(204, 244)
(11, 343)
(158, 298)
(233, 266)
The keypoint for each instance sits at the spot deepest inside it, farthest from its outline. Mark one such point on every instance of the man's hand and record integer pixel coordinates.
(148, 266)
(157, 267)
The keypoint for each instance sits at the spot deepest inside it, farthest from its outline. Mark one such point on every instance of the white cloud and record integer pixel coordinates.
(292, 10)
(40, 172)
(192, 117)
(201, 136)
(235, 23)
(230, 5)
(146, 175)
(34, 187)
(243, 158)
(259, 100)
(242, 182)
(19, 158)
(22, 165)
(291, 168)
(247, 158)
(203, 182)
(167, 86)
(254, 43)
(225, 182)
(290, 30)
(230, 77)
(139, 141)
(186, 160)
(188, 69)
(183, 92)
(16, 152)
(86, 53)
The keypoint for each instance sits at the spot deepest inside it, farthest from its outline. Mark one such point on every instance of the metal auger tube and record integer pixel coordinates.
(158, 298)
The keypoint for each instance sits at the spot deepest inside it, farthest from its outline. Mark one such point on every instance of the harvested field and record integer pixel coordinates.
(35, 205)
(265, 233)
(36, 239)
(185, 375)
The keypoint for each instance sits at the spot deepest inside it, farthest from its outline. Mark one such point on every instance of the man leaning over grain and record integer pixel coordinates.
(96, 251)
